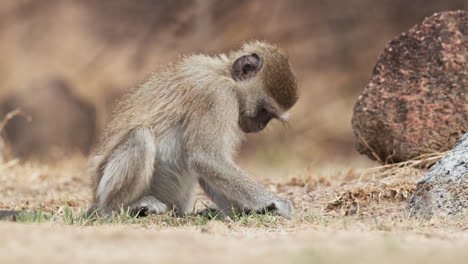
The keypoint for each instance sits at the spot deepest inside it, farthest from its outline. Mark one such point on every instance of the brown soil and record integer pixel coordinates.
(352, 216)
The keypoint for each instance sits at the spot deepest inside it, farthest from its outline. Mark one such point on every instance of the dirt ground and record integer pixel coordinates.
(54, 243)
(352, 216)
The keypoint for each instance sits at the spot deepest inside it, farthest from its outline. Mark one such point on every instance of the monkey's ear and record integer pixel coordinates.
(246, 67)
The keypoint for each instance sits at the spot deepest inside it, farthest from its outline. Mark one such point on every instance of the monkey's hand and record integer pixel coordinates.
(282, 207)
(229, 188)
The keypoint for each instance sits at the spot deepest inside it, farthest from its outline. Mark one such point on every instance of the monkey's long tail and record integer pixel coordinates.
(9, 215)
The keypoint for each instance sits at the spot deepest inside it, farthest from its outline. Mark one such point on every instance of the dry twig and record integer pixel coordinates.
(11, 115)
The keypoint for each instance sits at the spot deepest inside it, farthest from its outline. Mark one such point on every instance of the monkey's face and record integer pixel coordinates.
(255, 113)
(266, 85)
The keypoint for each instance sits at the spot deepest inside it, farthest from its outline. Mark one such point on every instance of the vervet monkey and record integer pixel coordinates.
(183, 126)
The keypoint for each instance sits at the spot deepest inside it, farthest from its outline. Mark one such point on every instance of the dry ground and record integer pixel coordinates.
(341, 216)
(342, 213)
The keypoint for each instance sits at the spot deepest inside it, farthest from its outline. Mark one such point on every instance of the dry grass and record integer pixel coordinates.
(353, 216)
(374, 192)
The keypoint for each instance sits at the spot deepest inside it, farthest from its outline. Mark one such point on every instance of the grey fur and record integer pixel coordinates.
(150, 204)
(181, 128)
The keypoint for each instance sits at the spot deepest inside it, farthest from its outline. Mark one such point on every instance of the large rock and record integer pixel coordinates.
(60, 122)
(443, 191)
(416, 101)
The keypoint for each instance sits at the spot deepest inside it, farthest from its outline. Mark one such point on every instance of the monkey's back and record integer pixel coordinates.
(179, 93)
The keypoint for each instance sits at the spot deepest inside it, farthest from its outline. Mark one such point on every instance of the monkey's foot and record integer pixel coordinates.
(148, 205)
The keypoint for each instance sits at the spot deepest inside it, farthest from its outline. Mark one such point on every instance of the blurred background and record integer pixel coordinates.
(65, 63)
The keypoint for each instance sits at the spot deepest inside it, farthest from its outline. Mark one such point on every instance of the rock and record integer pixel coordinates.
(58, 121)
(443, 191)
(416, 101)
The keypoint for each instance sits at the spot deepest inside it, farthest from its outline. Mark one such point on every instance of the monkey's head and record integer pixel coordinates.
(265, 83)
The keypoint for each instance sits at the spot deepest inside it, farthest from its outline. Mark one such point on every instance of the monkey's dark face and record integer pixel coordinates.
(261, 100)
(256, 123)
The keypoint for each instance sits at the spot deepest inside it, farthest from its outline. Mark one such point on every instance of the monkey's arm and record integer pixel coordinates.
(229, 187)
